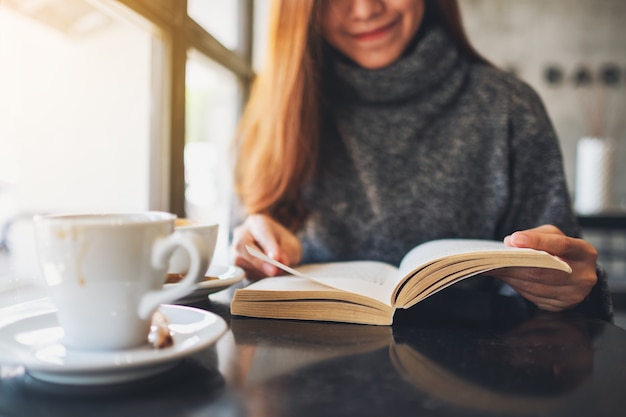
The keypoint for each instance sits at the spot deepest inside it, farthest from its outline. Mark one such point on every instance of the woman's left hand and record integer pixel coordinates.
(553, 290)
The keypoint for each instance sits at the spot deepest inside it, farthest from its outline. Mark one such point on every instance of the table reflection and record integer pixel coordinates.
(282, 365)
(524, 368)
(549, 365)
(194, 379)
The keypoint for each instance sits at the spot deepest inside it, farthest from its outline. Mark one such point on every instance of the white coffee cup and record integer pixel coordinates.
(179, 263)
(105, 273)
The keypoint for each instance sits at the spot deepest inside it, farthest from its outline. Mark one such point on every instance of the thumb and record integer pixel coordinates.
(556, 244)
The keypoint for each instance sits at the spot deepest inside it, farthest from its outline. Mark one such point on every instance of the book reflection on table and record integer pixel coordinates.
(283, 346)
(525, 368)
(522, 369)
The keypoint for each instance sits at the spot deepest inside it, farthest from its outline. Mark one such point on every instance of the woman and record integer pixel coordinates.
(375, 126)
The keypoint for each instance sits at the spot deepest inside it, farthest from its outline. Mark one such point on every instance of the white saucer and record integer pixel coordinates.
(227, 276)
(34, 342)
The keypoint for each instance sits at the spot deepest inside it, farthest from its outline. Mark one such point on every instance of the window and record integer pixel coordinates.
(212, 110)
(116, 105)
(75, 119)
(219, 18)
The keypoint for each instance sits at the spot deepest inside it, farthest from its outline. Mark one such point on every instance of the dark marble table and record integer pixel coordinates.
(548, 365)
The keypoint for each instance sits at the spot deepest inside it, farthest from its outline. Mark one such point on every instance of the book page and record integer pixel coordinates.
(430, 251)
(452, 260)
(369, 278)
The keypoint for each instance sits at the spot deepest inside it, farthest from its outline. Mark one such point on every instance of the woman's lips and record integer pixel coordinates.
(376, 33)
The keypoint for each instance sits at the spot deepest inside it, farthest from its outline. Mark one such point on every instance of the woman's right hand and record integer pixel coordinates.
(270, 237)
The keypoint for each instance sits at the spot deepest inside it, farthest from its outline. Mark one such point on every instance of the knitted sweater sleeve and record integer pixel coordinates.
(539, 193)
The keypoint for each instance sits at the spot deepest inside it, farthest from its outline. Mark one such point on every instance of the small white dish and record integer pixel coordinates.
(227, 276)
(34, 343)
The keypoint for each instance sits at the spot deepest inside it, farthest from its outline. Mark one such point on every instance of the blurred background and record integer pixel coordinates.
(124, 105)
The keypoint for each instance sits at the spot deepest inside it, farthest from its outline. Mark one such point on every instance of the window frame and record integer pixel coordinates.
(175, 34)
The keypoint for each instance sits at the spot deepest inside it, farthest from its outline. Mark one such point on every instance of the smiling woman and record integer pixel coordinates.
(372, 34)
(385, 135)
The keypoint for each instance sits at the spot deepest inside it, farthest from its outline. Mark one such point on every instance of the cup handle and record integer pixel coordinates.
(161, 253)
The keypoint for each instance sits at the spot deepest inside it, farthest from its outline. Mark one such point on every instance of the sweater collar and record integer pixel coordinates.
(429, 61)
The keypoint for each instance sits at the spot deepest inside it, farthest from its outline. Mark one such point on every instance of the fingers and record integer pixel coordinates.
(546, 240)
(264, 235)
(556, 293)
(268, 236)
(550, 239)
(254, 267)
(549, 289)
(552, 290)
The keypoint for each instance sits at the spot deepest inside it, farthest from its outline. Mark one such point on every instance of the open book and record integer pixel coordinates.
(369, 292)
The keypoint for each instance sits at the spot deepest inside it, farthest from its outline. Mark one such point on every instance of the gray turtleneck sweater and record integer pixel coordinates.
(430, 147)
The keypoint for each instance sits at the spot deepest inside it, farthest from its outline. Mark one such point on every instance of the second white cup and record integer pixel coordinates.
(180, 262)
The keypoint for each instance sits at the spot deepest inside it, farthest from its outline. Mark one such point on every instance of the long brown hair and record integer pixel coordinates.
(278, 135)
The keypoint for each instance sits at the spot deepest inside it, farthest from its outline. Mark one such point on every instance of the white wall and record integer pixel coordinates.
(530, 35)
